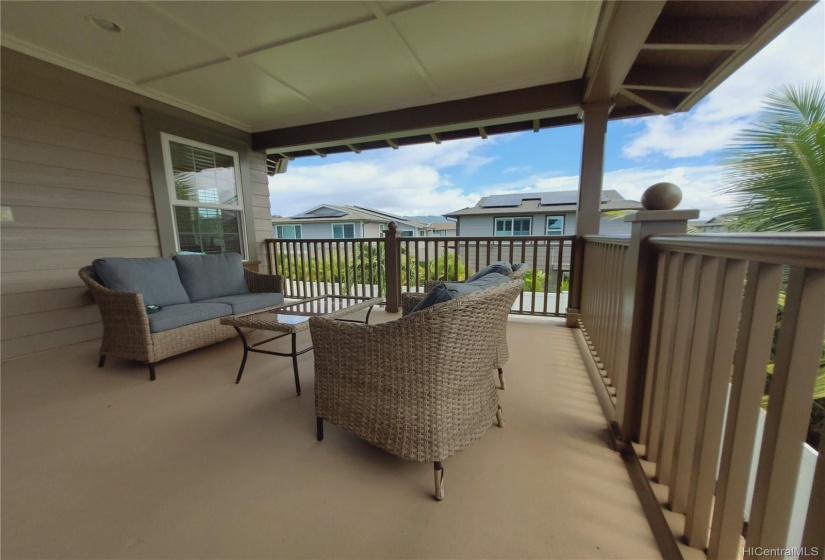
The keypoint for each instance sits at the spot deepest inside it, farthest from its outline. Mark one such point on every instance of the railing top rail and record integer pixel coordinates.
(608, 239)
(507, 238)
(794, 249)
(326, 239)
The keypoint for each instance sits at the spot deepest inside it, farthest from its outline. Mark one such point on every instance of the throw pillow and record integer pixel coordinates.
(501, 267)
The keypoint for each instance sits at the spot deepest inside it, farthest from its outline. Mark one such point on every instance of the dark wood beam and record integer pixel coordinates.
(390, 123)
(657, 101)
(622, 29)
(701, 33)
(665, 78)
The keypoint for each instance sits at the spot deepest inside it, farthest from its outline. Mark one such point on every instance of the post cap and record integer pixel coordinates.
(393, 226)
(662, 196)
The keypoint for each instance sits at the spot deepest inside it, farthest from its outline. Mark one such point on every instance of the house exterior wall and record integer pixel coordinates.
(323, 230)
(484, 226)
(75, 176)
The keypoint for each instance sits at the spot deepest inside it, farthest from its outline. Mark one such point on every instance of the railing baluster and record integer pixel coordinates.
(798, 354)
(721, 335)
(752, 351)
(663, 355)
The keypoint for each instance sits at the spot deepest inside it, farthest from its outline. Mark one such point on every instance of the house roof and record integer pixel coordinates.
(324, 213)
(531, 203)
(443, 225)
(309, 78)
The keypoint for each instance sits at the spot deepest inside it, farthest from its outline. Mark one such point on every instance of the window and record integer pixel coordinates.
(381, 230)
(288, 232)
(205, 192)
(343, 231)
(513, 226)
(555, 225)
(421, 233)
(406, 233)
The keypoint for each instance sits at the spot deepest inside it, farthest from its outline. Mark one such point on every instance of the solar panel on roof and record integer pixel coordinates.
(563, 197)
(502, 200)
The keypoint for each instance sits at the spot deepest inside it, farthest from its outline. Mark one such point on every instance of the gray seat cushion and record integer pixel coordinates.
(451, 290)
(501, 267)
(241, 303)
(175, 316)
(155, 277)
(211, 276)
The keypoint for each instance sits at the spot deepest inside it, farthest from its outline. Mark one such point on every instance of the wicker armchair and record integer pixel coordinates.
(418, 387)
(126, 331)
(410, 299)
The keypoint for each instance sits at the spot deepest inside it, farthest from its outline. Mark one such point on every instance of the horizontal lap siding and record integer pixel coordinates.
(74, 172)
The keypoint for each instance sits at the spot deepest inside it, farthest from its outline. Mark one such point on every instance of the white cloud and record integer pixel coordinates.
(412, 180)
(797, 56)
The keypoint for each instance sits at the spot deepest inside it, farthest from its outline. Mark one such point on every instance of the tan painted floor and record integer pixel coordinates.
(101, 463)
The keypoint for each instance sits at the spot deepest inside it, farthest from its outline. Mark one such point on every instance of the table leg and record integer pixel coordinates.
(245, 354)
(295, 365)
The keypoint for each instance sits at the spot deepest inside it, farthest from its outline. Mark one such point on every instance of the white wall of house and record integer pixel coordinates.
(76, 179)
(484, 226)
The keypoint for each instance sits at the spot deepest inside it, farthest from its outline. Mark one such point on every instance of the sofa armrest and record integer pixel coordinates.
(125, 323)
(264, 283)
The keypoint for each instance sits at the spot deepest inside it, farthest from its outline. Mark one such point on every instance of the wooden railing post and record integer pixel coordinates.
(393, 268)
(638, 287)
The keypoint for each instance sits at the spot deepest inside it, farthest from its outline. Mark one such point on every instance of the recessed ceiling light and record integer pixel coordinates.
(104, 24)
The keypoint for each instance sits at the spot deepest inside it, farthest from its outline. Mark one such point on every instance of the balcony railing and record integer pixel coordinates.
(386, 267)
(705, 310)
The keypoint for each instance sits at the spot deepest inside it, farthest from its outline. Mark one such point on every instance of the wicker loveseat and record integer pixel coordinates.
(418, 387)
(155, 308)
(409, 301)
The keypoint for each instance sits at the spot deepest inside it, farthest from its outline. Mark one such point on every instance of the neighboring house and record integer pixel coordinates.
(442, 229)
(329, 221)
(538, 213)
(717, 224)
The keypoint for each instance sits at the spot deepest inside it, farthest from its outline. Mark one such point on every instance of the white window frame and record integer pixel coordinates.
(510, 233)
(547, 225)
(343, 230)
(165, 138)
(297, 229)
(381, 228)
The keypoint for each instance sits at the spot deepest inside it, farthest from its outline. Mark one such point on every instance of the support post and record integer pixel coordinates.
(588, 210)
(392, 267)
(638, 288)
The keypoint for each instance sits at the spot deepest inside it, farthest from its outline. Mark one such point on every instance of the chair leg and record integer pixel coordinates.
(501, 379)
(151, 372)
(439, 480)
(319, 428)
(499, 417)
(101, 360)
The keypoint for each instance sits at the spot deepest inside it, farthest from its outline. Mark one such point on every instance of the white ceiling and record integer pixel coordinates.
(264, 65)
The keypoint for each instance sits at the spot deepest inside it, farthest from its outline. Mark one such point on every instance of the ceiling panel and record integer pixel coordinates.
(349, 71)
(465, 45)
(239, 27)
(62, 28)
(240, 92)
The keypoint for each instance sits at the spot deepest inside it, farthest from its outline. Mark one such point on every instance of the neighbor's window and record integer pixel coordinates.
(555, 225)
(512, 226)
(380, 230)
(343, 231)
(406, 233)
(205, 191)
(288, 232)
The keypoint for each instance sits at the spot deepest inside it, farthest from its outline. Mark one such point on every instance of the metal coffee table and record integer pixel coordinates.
(292, 318)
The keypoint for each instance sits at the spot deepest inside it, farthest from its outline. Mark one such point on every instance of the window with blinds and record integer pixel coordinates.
(206, 196)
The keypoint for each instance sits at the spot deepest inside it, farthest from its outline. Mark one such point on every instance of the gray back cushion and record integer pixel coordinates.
(156, 278)
(501, 267)
(211, 276)
(451, 290)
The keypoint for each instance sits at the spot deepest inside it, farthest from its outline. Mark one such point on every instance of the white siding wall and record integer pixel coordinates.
(76, 178)
(484, 226)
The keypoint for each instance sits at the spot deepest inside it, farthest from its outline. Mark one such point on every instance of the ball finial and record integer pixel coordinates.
(662, 196)
(393, 226)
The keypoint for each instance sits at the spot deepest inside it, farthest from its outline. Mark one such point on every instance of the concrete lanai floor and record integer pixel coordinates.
(102, 463)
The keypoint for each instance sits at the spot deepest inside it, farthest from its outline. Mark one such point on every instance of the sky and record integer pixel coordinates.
(683, 148)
